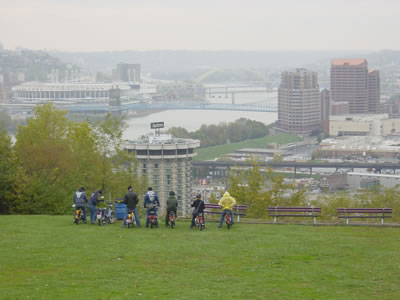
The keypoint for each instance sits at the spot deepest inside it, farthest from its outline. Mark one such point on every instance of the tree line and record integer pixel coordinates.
(259, 190)
(224, 133)
(53, 156)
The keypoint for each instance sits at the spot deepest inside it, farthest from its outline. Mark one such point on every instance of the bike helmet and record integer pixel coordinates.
(198, 196)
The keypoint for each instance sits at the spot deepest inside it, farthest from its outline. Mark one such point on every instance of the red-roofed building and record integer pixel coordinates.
(352, 82)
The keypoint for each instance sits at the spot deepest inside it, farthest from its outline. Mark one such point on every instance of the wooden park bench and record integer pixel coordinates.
(213, 208)
(377, 213)
(280, 211)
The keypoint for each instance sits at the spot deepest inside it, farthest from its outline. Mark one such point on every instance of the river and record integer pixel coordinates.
(192, 120)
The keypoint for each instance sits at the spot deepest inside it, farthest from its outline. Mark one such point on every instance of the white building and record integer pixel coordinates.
(356, 180)
(37, 92)
(363, 125)
(166, 161)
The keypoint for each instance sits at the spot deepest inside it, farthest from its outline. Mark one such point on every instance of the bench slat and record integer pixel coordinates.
(362, 217)
(388, 210)
(219, 212)
(299, 215)
(305, 210)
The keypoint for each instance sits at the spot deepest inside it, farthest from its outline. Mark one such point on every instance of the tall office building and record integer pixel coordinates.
(127, 73)
(166, 161)
(299, 103)
(374, 91)
(325, 104)
(351, 82)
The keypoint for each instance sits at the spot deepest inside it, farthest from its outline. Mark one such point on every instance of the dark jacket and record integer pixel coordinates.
(200, 204)
(80, 198)
(94, 198)
(131, 200)
(172, 203)
(150, 200)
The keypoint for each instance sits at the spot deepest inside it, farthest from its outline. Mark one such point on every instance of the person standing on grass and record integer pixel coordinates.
(172, 205)
(94, 199)
(131, 200)
(198, 208)
(79, 201)
(151, 203)
(227, 202)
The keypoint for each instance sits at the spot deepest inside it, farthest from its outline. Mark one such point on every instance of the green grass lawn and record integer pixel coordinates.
(48, 257)
(216, 151)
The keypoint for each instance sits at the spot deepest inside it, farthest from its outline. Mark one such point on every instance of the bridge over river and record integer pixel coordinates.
(139, 106)
(172, 105)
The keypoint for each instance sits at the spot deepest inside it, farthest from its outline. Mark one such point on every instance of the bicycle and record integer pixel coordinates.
(78, 215)
(199, 221)
(106, 215)
(130, 219)
(172, 218)
(152, 217)
(228, 220)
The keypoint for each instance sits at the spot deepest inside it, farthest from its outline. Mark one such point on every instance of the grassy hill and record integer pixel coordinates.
(48, 257)
(216, 151)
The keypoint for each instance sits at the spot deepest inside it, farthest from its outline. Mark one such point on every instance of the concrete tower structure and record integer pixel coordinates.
(299, 103)
(166, 161)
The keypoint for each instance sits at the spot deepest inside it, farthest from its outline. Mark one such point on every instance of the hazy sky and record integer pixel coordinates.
(88, 25)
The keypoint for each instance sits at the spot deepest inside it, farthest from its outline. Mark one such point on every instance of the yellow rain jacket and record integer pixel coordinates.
(227, 202)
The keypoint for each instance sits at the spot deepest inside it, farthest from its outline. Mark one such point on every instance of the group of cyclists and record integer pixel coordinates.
(151, 204)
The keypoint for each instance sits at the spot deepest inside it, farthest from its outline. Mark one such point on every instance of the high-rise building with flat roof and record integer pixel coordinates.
(351, 82)
(299, 103)
(127, 73)
(374, 91)
(166, 161)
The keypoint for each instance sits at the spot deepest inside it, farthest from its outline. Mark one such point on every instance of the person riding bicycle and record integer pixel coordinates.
(79, 201)
(151, 203)
(94, 199)
(131, 200)
(198, 208)
(172, 205)
(227, 202)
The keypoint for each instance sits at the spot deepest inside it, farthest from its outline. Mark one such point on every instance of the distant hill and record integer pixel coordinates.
(181, 61)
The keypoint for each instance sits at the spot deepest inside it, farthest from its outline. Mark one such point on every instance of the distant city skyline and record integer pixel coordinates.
(253, 25)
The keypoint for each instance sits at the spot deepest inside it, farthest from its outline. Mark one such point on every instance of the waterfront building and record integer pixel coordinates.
(37, 92)
(166, 162)
(299, 103)
(351, 82)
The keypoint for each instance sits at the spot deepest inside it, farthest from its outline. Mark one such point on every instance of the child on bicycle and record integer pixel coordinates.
(79, 200)
(198, 208)
(172, 205)
(227, 202)
(151, 203)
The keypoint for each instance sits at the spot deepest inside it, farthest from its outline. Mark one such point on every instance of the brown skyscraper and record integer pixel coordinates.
(351, 82)
(299, 104)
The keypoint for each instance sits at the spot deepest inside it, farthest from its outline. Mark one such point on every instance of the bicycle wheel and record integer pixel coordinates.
(112, 218)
